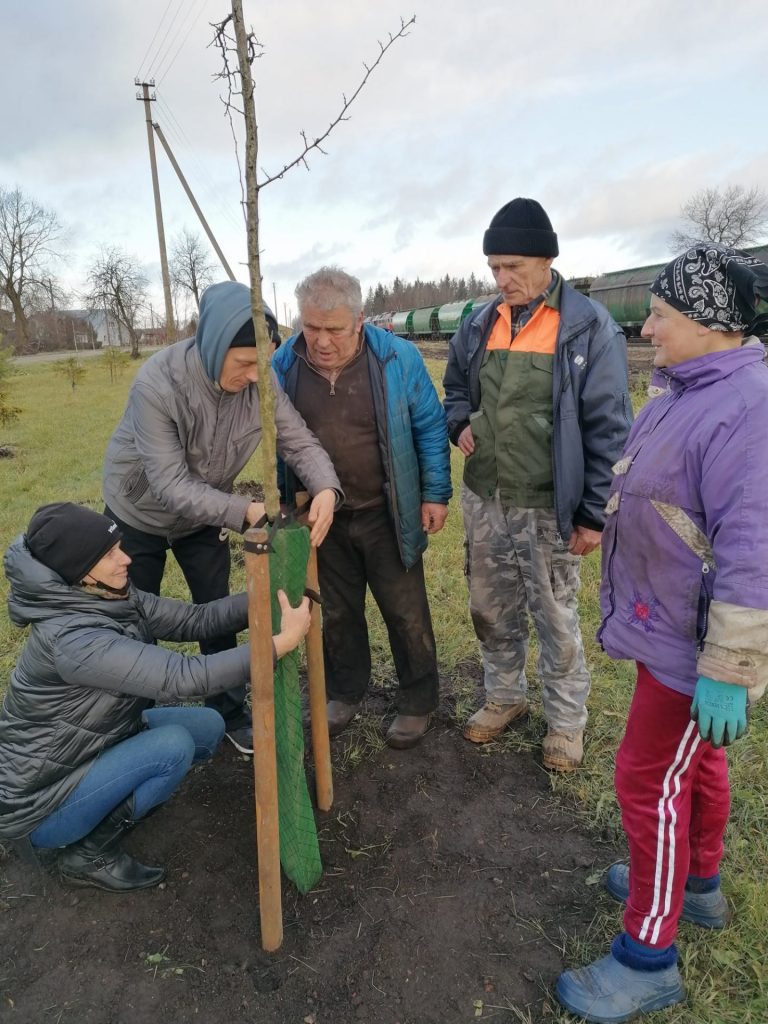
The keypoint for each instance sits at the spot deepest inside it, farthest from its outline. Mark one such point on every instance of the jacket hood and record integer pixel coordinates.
(37, 593)
(713, 366)
(224, 308)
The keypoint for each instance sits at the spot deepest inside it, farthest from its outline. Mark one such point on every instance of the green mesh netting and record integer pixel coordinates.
(299, 848)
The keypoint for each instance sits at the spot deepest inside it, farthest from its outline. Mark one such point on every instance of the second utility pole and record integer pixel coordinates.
(170, 327)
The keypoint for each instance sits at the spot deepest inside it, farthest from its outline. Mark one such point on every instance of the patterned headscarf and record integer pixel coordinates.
(717, 287)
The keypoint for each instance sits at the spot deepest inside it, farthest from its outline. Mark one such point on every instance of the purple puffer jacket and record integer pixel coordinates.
(685, 547)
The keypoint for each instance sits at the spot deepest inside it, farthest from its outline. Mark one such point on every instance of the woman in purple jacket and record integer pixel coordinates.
(685, 595)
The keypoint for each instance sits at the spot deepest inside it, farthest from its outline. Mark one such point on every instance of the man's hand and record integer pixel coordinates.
(294, 624)
(320, 515)
(433, 516)
(583, 540)
(466, 442)
(721, 711)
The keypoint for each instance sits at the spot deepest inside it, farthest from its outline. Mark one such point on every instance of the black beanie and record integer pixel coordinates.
(521, 228)
(70, 539)
(246, 336)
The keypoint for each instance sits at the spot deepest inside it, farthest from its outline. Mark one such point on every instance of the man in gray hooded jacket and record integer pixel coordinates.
(191, 424)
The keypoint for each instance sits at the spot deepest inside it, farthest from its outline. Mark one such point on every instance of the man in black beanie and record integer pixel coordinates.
(537, 400)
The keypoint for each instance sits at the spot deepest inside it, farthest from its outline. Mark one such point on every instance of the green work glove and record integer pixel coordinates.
(721, 711)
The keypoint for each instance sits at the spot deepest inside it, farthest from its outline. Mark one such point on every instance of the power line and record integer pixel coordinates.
(181, 137)
(160, 54)
(192, 24)
(211, 188)
(154, 37)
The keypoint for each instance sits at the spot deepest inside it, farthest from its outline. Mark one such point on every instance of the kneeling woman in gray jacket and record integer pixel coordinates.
(83, 753)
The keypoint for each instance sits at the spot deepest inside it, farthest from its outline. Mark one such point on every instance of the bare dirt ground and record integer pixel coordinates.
(450, 879)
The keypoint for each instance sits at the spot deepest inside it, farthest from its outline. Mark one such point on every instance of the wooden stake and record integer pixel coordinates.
(264, 751)
(318, 713)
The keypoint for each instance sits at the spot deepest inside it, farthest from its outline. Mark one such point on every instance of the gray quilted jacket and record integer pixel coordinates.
(172, 461)
(88, 670)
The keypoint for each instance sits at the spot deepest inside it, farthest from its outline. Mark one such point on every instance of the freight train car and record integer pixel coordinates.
(623, 292)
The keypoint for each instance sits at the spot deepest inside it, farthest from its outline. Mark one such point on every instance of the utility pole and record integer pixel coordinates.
(274, 296)
(192, 200)
(170, 329)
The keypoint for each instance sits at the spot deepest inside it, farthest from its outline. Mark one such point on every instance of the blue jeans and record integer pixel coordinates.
(149, 765)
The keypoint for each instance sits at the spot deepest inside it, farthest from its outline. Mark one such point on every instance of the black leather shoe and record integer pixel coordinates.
(406, 731)
(340, 715)
(95, 861)
(113, 872)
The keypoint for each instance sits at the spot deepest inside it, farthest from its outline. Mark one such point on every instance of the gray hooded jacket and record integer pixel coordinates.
(172, 461)
(88, 671)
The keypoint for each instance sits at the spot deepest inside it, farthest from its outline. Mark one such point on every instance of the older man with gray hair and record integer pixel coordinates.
(367, 396)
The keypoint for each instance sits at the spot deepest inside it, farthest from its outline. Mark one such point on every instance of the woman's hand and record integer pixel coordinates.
(294, 624)
(720, 710)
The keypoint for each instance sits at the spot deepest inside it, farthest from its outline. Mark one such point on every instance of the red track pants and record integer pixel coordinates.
(674, 796)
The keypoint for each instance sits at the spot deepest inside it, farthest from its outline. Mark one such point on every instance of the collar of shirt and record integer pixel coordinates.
(519, 316)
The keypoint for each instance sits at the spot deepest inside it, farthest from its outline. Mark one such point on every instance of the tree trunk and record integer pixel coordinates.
(263, 342)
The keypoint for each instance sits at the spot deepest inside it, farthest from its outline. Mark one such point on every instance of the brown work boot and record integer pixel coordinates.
(492, 719)
(340, 715)
(406, 731)
(563, 751)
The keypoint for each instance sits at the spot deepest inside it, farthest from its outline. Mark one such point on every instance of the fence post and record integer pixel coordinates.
(318, 713)
(264, 750)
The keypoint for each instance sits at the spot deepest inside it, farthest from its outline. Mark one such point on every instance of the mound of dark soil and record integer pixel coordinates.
(450, 880)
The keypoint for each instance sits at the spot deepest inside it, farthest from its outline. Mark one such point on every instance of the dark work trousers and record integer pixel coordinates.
(361, 549)
(204, 560)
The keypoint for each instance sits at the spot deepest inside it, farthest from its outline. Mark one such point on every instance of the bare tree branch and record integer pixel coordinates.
(28, 232)
(346, 104)
(190, 265)
(227, 45)
(118, 288)
(733, 216)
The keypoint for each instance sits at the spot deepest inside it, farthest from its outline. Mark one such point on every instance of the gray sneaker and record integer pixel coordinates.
(241, 739)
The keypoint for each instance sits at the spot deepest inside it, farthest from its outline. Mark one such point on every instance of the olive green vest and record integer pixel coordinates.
(512, 429)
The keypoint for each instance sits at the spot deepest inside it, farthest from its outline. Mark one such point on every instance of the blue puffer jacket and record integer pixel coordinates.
(590, 399)
(413, 436)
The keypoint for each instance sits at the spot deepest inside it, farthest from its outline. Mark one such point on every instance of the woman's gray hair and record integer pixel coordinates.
(329, 287)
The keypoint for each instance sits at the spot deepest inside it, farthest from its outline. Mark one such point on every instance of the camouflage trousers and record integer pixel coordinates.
(518, 565)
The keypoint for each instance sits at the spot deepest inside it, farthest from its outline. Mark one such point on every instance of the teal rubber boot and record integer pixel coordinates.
(706, 909)
(609, 992)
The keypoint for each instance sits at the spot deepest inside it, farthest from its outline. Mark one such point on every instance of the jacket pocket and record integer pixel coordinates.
(136, 485)
(705, 600)
(480, 473)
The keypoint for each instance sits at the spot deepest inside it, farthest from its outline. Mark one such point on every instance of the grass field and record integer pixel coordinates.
(59, 442)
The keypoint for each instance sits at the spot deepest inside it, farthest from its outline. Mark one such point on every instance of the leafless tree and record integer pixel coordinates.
(239, 49)
(8, 411)
(733, 215)
(28, 233)
(190, 264)
(118, 287)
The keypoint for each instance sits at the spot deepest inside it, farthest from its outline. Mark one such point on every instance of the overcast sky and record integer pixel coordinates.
(610, 115)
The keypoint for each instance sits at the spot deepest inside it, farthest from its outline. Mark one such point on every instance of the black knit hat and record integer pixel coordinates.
(246, 336)
(70, 539)
(521, 228)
